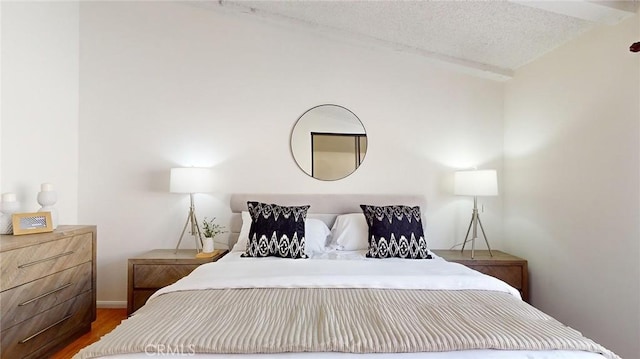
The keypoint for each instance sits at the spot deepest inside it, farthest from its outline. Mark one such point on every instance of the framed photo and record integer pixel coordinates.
(28, 223)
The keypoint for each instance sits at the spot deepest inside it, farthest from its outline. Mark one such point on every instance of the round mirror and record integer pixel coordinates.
(328, 142)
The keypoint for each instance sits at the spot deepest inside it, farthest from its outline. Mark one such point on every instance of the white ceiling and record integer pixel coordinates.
(488, 38)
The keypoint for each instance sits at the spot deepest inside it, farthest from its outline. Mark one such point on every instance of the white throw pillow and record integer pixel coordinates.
(350, 232)
(315, 236)
(316, 233)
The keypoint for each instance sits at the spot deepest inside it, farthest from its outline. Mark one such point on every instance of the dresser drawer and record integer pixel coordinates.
(512, 275)
(23, 302)
(159, 275)
(41, 330)
(23, 265)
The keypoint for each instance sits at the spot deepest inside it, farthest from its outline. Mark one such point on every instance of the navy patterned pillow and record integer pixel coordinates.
(395, 231)
(276, 231)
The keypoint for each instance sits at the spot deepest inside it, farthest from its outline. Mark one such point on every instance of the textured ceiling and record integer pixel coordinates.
(493, 37)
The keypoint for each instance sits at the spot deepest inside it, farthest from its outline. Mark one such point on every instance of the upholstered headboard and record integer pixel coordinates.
(323, 206)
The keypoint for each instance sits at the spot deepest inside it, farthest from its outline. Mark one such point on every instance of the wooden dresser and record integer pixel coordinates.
(158, 268)
(510, 269)
(47, 290)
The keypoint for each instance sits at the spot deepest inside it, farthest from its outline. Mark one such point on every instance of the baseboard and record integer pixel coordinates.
(111, 304)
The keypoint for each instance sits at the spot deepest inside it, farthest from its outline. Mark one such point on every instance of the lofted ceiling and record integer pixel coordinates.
(487, 38)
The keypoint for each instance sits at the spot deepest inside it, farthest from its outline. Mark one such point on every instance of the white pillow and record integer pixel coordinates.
(316, 233)
(315, 236)
(350, 232)
(243, 237)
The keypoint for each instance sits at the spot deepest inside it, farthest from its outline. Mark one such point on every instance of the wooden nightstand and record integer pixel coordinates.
(159, 268)
(506, 267)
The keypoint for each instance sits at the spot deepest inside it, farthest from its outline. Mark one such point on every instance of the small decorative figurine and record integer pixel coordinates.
(47, 198)
(8, 206)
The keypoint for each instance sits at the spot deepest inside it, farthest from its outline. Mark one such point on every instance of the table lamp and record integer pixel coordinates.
(191, 180)
(476, 183)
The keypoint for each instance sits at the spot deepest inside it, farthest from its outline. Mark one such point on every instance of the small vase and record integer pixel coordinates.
(8, 206)
(47, 198)
(207, 245)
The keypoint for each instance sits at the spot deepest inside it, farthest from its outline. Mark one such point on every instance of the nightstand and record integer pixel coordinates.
(159, 268)
(503, 266)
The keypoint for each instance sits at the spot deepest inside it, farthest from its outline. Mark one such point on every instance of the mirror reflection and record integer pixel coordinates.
(328, 142)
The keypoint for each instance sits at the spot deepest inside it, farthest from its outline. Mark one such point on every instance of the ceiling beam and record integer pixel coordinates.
(457, 64)
(604, 12)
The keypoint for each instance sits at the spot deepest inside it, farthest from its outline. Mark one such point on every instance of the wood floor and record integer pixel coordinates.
(106, 320)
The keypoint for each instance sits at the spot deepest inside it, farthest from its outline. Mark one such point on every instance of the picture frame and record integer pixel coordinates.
(31, 222)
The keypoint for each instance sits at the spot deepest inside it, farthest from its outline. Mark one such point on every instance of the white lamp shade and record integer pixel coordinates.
(191, 180)
(476, 183)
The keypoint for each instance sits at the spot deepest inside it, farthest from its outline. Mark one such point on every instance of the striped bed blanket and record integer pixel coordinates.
(276, 320)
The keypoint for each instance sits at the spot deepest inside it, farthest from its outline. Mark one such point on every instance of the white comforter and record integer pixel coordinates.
(357, 272)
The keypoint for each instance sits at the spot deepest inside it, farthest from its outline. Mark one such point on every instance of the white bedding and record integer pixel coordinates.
(357, 272)
(331, 270)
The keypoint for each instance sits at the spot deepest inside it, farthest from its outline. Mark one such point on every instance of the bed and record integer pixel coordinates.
(335, 299)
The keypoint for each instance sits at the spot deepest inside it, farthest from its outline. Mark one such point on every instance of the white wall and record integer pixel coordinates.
(1, 97)
(572, 205)
(167, 84)
(39, 139)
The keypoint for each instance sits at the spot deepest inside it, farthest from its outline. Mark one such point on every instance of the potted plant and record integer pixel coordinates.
(210, 230)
